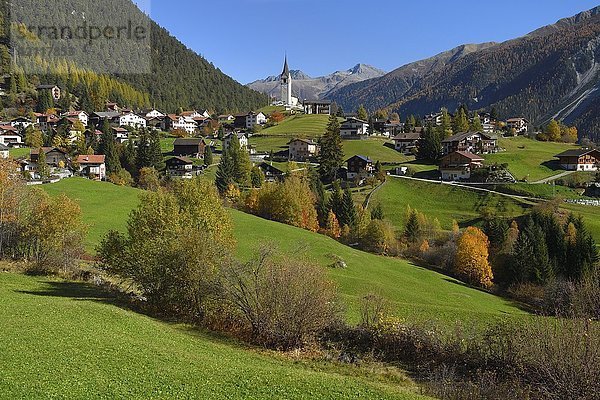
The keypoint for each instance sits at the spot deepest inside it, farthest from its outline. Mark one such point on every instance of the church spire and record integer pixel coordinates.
(286, 70)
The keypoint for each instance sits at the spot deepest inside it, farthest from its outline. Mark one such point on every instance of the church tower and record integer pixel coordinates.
(286, 84)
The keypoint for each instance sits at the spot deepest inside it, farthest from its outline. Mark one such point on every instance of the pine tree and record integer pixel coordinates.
(225, 173)
(257, 177)
(377, 212)
(208, 156)
(336, 199)
(412, 230)
(461, 122)
(430, 146)
(43, 169)
(155, 151)
(240, 160)
(143, 158)
(410, 124)
(362, 113)
(476, 125)
(445, 127)
(128, 158)
(45, 101)
(332, 154)
(347, 216)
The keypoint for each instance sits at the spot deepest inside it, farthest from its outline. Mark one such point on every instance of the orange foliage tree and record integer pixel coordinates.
(471, 263)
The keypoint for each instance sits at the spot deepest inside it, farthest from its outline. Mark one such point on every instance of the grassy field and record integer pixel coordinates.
(527, 158)
(104, 206)
(65, 340)
(408, 286)
(266, 143)
(444, 202)
(298, 125)
(376, 149)
(18, 153)
(540, 190)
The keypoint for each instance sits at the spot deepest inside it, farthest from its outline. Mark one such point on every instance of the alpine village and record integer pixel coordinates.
(423, 233)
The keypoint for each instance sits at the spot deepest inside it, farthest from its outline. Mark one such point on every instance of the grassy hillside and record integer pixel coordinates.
(105, 206)
(300, 126)
(376, 149)
(444, 202)
(18, 153)
(527, 158)
(410, 287)
(86, 346)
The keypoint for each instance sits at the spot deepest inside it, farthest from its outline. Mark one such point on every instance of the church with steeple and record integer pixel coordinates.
(285, 80)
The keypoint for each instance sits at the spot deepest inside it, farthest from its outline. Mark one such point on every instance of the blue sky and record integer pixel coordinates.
(247, 39)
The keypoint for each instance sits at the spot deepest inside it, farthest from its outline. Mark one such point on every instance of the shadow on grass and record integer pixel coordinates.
(553, 165)
(73, 290)
(521, 306)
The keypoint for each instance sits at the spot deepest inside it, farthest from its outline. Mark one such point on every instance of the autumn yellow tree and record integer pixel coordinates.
(12, 189)
(471, 262)
(332, 228)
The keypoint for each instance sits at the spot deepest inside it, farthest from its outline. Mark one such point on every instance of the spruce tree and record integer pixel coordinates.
(45, 101)
(143, 158)
(412, 230)
(128, 158)
(461, 122)
(332, 154)
(155, 151)
(377, 212)
(362, 113)
(42, 167)
(225, 173)
(430, 146)
(336, 199)
(348, 215)
(240, 160)
(208, 156)
(476, 125)
(445, 127)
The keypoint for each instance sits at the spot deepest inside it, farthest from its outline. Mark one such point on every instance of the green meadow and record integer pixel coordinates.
(67, 340)
(308, 126)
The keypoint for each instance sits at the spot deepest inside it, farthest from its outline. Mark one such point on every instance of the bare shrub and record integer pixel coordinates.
(374, 308)
(282, 302)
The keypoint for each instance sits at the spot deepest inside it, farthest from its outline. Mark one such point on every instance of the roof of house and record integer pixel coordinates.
(516, 119)
(575, 153)
(185, 160)
(47, 150)
(269, 167)
(466, 154)
(364, 158)
(107, 114)
(463, 135)
(410, 136)
(308, 141)
(188, 141)
(91, 159)
(42, 87)
(120, 130)
(238, 134)
(354, 119)
(8, 128)
(3, 147)
(326, 102)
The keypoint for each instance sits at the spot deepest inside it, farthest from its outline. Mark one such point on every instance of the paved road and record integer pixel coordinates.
(555, 177)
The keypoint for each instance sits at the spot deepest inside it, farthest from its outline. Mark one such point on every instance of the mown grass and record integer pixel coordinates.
(376, 149)
(104, 206)
(540, 190)
(416, 292)
(528, 158)
(300, 126)
(69, 340)
(441, 201)
(19, 153)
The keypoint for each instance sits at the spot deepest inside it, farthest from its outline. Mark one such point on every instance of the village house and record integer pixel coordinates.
(272, 174)
(302, 149)
(359, 167)
(242, 137)
(133, 120)
(249, 120)
(92, 166)
(55, 157)
(9, 136)
(406, 143)
(113, 117)
(579, 160)
(82, 116)
(46, 122)
(4, 151)
(181, 167)
(182, 123)
(191, 147)
(520, 125)
(354, 128)
(154, 113)
(55, 91)
(21, 123)
(472, 142)
(459, 165)
(225, 118)
(156, 123)
(387, 128)
(121, 135)
(322, 107)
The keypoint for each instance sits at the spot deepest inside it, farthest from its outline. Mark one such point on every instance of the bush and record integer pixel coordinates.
(282, 302)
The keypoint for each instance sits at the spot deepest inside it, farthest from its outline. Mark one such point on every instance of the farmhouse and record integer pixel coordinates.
(9, 136)
(181, 167)
(272, 173)
(360, 166)
(133, 120)
(406, 143)
(21, 123)
(249, 120)
(520, 125)
(354, 128)
(579, 160)
(121, 135)
(242, 137)
(92, 166)
(181, 122)
(387, 127)
(80, 115)
(225, 118)
(4, 151)
(154, 113)
(471, 142)
(55, 157)
(317, 107)
(46, 121)
(191, 147)
(458, 165)
(303, 149)
(98, 118)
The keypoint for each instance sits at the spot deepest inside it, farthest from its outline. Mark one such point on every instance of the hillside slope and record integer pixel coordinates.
(306, 87)
(552, 72)
(88, 346)
(179, 77)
